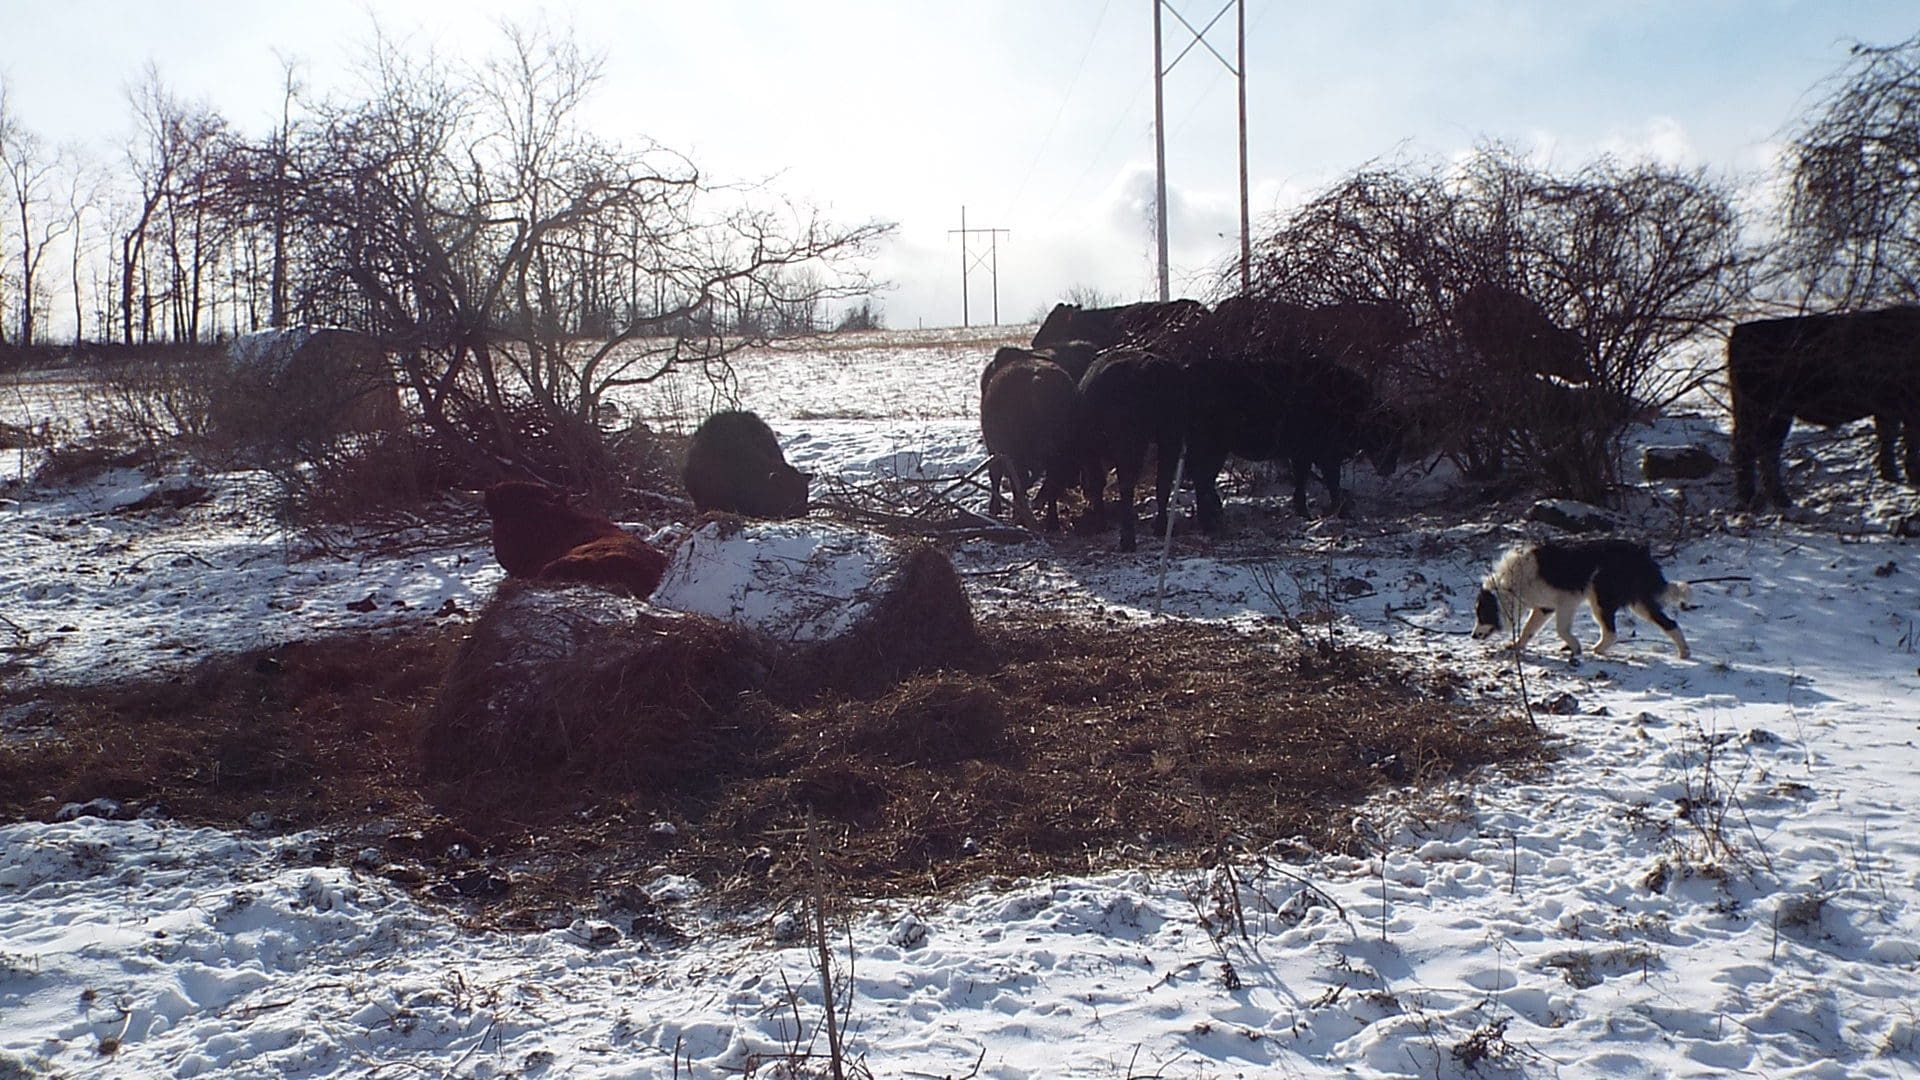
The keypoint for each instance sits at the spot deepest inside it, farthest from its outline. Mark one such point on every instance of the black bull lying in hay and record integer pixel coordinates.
(576, 679)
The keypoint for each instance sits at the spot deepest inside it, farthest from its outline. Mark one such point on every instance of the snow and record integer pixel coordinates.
(1573, 920)
(793, 582)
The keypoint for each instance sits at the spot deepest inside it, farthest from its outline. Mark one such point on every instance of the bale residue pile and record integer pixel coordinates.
(581, 679)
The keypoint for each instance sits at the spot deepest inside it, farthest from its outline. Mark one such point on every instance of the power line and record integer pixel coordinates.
(1207, 94)
(1047, 140)
(1094, 160)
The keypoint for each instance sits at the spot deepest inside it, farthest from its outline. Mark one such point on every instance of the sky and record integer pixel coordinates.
(1037, 118)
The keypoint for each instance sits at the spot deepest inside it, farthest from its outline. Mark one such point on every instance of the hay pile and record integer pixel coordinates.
(913, 617)
(854, 610)
(1076, 745)
(576, 679)
(579, 679)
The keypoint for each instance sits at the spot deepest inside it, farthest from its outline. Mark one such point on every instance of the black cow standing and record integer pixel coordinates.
(1826, 370)
(1131, 401)
(1306, 411)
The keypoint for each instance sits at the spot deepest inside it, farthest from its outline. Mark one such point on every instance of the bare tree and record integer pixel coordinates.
(32, 172)
(177, 138)
(468, 218)
(1851, 218)
(84, 188)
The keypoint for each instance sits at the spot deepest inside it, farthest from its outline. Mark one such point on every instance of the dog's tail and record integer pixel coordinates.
(1677, 592)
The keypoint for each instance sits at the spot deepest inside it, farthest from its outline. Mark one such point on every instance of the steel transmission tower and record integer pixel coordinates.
(1239, 72)
(969, 262)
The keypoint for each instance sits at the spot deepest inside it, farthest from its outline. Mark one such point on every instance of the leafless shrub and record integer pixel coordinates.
(519, 267)
(1628, 260)
(1715, 837)
(1303, 605)
(1850, 222)
(160, 397)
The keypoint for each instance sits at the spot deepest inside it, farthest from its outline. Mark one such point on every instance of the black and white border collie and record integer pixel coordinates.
(1552, 578)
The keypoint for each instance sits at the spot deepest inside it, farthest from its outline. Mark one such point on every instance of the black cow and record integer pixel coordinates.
(1358, 333)
(1513, 335)
(1075, 357)
(1029, 418)
(1826, 370)
(1304, 410)
(1147, 325)
(1131, 400)
(734, 463)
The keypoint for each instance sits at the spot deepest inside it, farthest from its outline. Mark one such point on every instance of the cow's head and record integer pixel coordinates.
(1383, 438)
(786, 493)
(519, 498)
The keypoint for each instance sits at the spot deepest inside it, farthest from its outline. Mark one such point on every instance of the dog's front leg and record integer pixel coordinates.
(1535, 618)
(1563, 625)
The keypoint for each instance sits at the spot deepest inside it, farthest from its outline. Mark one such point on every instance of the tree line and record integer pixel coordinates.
(441, 191)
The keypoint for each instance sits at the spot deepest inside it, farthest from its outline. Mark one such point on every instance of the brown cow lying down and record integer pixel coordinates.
(537, 535)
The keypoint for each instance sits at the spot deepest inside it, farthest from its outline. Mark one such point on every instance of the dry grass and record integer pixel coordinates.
(1063, 747)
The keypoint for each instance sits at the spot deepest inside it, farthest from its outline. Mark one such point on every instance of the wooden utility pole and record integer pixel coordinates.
(969, 262)
(1239, 72)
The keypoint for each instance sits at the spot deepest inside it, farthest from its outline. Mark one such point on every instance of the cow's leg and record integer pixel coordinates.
(1886, 433)
(1093, 484)
(1204, 466)
(1743, 493)
(1163, 485)
(1338, 502)
(995, 471)
(1302, 471)
(1022, 510)
(1910, 456)
(1050, 497)
(1773, 439)
(1126, 477)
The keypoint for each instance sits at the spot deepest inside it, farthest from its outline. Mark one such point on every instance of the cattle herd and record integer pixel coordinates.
(1264, 380)
(1101, 387)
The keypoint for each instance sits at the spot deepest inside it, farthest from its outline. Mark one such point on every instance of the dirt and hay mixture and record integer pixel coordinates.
(1053, 746)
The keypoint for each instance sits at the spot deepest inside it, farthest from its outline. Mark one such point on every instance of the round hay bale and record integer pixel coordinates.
(577, 679)
(857, 609)
(914, 617)
(303, 383)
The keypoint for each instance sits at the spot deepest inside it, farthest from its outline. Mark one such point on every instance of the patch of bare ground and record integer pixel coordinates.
(1060, 747)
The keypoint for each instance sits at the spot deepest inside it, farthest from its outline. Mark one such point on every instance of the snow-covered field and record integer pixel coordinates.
(1719, 876)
